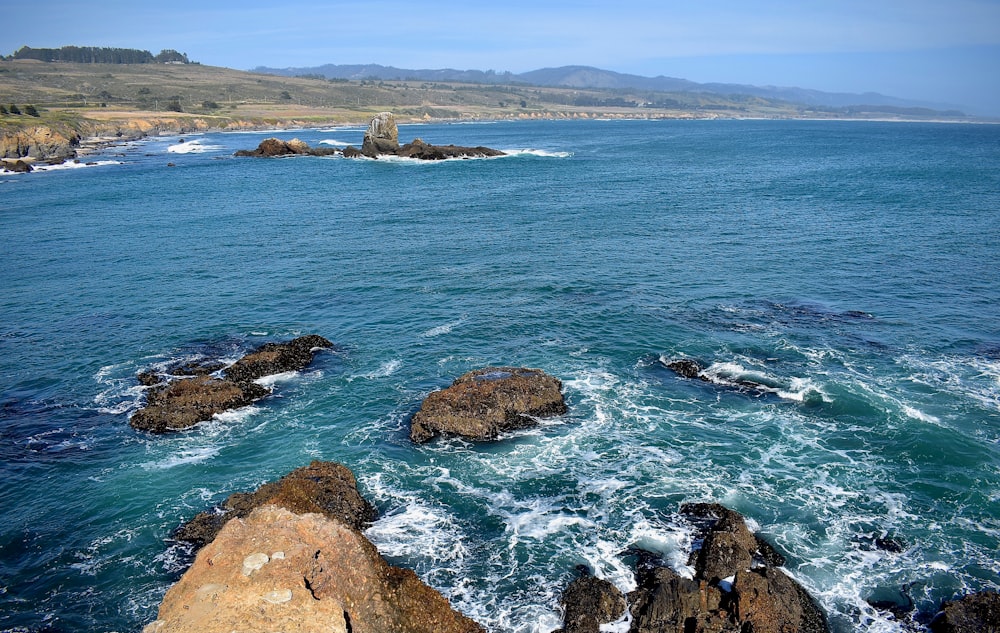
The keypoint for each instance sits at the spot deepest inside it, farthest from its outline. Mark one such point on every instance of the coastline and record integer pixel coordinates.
(60, 138)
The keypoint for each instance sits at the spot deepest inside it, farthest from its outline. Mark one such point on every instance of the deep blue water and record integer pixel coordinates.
(851, 266)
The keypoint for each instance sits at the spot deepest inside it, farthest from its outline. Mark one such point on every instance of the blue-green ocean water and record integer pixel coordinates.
(850, 266)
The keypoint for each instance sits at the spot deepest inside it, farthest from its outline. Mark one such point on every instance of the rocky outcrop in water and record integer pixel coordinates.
(276, 148)
(300, 573)
(482, 404)
(590, 602)
(176, 402)
(425, 151)
(325, 488)
(737, 586)
(382, 136)
(974, 613)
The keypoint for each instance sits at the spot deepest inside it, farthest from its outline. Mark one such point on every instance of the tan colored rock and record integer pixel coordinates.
(320, 576)
(39, 142)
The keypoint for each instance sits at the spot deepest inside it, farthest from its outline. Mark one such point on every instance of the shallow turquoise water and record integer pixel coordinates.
(849, 265)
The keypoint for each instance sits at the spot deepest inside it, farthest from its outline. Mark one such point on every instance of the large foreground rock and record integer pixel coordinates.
(975, 613)
(178, 401)
(325, 488)
(279, 571)
(482, 404)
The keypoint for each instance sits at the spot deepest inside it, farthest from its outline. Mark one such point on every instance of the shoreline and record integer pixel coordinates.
(57, 142)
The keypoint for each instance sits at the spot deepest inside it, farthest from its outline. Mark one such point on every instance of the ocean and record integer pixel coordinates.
(849, 268)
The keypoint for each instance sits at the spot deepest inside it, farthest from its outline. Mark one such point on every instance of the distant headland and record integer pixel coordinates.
(55, 103)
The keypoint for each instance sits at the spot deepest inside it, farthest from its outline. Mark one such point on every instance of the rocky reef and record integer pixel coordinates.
(481, 404)
(189, 395)
(381, 139)
(292, 556)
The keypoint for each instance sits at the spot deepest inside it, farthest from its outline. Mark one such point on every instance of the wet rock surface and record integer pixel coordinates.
(482, 404)
(735, 588)
(974, 613)
(325, 488)
(590, 602)
(176, 401)
(276, 148)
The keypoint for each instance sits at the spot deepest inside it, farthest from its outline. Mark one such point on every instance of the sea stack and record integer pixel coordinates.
(382, 136)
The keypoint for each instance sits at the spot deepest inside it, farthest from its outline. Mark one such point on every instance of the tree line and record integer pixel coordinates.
(99, 55)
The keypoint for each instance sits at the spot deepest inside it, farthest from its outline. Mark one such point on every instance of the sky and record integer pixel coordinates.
(940, 51)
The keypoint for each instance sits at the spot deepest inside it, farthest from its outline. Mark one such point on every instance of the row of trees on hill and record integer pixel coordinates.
(99, 55)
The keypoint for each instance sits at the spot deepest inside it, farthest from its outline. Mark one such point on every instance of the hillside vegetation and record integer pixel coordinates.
(97, 98)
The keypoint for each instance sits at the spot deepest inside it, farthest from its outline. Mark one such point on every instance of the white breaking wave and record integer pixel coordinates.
(334, 142)
(193, 147)
(542, 153)
(735, 375)
(384, 370)
(184, 457)
(76, 165)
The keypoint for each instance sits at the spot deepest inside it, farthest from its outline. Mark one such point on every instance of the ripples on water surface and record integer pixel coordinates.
(849, 267)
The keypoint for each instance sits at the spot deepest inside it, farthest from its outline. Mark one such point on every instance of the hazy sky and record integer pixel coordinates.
(934, 50)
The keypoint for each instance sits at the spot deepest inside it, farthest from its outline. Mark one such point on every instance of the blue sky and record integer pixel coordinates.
(932, 50)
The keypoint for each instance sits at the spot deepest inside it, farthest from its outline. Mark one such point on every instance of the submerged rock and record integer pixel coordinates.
(326, 488)
(300, 573)
(184, 402)
(482, 404)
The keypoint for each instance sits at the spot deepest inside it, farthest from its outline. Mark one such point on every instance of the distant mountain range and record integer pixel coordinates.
(596, 78)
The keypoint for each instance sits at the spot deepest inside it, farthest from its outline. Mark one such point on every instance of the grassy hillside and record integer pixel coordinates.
(70, 93)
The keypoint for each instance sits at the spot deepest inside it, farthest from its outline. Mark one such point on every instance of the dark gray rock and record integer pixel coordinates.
(590, 602)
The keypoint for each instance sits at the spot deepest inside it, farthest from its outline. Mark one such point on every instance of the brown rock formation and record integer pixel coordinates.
(275, 358)
(424, 151)
(279, 571)
(735, 587)
(184, 402)
(325, 488)
(590, 602)
(275, 147)
(974, 613)
(482, 404)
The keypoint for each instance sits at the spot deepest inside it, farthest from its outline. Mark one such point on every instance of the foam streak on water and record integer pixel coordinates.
(836, 281)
